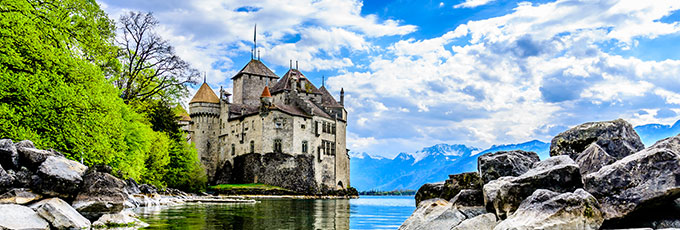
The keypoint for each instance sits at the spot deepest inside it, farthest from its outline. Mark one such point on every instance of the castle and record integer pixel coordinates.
(278, 131)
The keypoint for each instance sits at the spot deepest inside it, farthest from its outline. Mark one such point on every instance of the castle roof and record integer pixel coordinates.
(265, 92)
(293, 74)
(205, 94)
(327, 99)
(256, 67)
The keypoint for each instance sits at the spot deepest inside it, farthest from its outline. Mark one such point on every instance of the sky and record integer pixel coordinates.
(418, 73)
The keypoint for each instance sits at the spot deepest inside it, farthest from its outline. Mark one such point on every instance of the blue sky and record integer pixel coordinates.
(474, 72)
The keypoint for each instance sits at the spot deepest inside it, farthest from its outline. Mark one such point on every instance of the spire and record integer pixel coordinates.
(204, 77)
(342, 96)
(252, 55)
(323, 80)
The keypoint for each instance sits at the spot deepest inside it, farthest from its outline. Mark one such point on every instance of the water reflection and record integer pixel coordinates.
(363, 213)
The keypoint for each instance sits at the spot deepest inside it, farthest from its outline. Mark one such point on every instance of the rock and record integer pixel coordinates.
(461, 181)
(131, 187)
(124, 218)
(6, 180)
(492, 166)
(147, 189)
(19, 196)
(482, 222)
(468, 198)
(545, 209)
(559, 174)
(490, 191)
(643, 180)
(61, 215)
(24, 144)
(429, 191)
(9, 158)
(59, 177)
(32, 158)
(20, 217)
(22, 177)
(592, 159)
(617, 138)
(100, 193)
(433, 214)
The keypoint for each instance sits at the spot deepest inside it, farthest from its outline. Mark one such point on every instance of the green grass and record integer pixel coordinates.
(246, 186)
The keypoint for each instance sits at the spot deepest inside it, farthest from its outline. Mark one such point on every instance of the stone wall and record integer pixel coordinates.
(205, 127)
(279, 169)
(248, 88)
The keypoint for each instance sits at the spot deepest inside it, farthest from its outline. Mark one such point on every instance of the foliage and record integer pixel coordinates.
(150, 67)
(54, 59)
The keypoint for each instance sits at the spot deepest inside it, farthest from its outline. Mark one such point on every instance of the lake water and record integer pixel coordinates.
(367, 212)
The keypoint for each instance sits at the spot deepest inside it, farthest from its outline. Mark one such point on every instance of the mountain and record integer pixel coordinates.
(431, 164)
(653, 132)
(435, 163)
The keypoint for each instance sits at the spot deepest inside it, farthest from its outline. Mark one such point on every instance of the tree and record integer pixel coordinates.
(150, 67)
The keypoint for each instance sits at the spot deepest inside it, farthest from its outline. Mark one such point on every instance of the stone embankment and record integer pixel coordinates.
(599, 176)
(41, 189)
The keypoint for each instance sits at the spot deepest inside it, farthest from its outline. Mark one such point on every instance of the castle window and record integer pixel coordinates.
(233, 149)
(304, 146)
(277, 145)
(278, 123)
(302, 126)
(252, 146)
(333, 129)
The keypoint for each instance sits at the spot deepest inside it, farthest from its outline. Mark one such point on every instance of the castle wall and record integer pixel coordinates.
(341, 157)
(248, 88)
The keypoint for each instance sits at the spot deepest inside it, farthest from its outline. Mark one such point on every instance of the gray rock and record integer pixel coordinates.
(482, 222)
(22, 177)
(24, 144)
(643, 180)
(617, 138)
(491, 189)
(124, 218)
(19, 196)
(545, 209)
(32, 158)
(148, 189)
(461, 181)
(9, 158)
(433, 214)
(558, 173)
(468, 198)
(20, 217)
(59, 177)
(593, 159)
(61, 215)
(131, 187)
(100, 193)
(429, 191)
(492, 166)
(6, 180)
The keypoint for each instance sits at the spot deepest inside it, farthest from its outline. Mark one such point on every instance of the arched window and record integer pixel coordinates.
(304, 146)
(233, 149)
(277, 145)
(252, 146)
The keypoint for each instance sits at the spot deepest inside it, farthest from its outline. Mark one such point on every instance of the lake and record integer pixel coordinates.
(367, 212)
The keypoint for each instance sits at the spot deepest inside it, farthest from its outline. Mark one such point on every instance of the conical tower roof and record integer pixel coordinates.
(205, 94)
(265, 92)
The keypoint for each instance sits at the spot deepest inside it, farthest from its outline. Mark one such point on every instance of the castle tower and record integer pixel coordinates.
(204, 110)
(249, 82)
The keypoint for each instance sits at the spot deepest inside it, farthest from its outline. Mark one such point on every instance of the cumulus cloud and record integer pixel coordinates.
(526, 75)
(472, 3)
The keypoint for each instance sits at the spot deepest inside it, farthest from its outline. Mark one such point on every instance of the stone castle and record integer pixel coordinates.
(278, 131)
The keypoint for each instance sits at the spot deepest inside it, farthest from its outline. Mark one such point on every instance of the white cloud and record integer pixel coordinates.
(472, 3)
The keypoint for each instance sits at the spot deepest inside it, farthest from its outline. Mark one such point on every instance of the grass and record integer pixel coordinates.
(246, 186)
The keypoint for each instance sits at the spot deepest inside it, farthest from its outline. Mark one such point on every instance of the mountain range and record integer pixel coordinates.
(435, 163)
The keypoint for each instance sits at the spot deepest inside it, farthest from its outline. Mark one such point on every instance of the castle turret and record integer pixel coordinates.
(249, 81)
(204, 110)
(342, 96)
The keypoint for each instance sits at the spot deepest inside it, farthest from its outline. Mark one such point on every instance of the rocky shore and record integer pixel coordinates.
(41, 189)
(599, 176)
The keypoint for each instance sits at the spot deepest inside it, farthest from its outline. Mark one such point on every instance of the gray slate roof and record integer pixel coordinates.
(327, 99)
(284, 83)
(256, 67)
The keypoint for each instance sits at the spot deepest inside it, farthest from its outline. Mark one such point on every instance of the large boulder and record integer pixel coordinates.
(32, 158)
(558, 173)
(6, 180)
(593, 159)
(100, 193)
(22, 177)
(492, 166)
(429, 191)
(124, 218)
(617, 138)
(433, 214)
(24, 144)
(59, 177)
(20, 217)
(9, 158)
(490, 191)
(459, 182)
(61, 215)
(546, 209)
(19, 196)
(468, 198)
(482, 222)
(644, 180)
